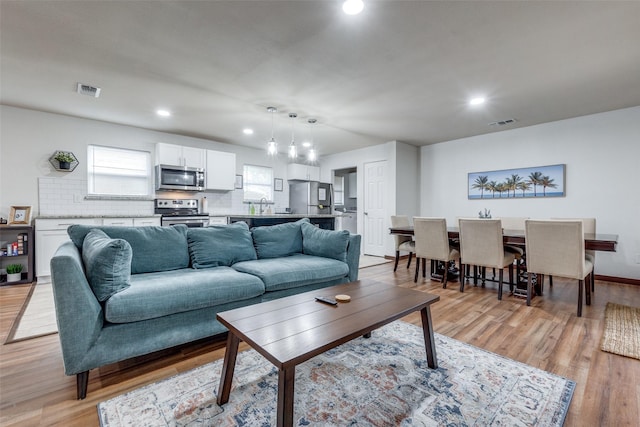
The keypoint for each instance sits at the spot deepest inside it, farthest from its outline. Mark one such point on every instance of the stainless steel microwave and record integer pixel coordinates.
(180, 178)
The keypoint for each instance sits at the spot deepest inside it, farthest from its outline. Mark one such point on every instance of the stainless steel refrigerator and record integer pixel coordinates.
(310, 198)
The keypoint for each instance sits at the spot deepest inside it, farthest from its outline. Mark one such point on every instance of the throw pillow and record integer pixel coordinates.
(220, 245)
(107, 263)
(154, 248)
(325, 243)
(280, 240)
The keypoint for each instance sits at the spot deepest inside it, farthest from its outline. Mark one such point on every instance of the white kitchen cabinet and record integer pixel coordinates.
(50, 234)
(297, 171)
(217, 220)
(128, 222)
(220, 170)
(177, 155)
(147, 221)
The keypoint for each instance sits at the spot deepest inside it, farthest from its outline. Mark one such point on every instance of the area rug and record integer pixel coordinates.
(380, 381)
(621, 330)
(369, 261)
(37, 316)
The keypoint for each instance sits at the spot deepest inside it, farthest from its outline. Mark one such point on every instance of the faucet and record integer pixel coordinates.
(261, 208)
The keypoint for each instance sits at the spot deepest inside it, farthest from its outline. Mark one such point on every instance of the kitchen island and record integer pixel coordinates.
(324, 221)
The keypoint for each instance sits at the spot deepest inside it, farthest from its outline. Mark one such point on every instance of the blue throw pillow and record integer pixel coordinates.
(280, 240)
(107, 263)
(325, 243)
(154, 248)
(220, 245)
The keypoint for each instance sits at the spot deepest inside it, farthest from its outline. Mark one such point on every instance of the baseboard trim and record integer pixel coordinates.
(624, 280)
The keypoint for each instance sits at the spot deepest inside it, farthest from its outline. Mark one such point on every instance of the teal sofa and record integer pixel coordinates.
(122, 292)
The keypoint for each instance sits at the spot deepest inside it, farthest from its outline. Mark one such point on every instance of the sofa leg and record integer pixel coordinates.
(82, 383)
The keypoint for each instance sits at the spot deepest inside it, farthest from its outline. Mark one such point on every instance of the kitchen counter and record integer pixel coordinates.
(95, 216)
(325, 221)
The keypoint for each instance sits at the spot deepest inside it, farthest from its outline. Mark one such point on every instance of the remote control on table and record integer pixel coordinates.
(327, 300)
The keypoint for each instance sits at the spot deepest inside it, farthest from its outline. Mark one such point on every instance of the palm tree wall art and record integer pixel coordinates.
(531, 182)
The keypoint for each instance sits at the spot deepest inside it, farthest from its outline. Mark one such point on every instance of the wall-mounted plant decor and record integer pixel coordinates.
(64, 161)
(539, 181)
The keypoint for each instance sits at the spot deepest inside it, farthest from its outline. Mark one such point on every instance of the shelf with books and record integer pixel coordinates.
(16, 254)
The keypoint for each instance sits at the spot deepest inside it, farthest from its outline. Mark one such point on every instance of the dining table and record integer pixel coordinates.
(592, 241)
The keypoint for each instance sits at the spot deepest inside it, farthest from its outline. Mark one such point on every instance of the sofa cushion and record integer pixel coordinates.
(278, 240)
(219, 245)
(324, 243)
(158, 294)
(107, 263)
(154, 248)
(293, 271)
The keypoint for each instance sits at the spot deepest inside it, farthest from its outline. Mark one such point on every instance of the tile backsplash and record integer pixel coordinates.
(63, 197)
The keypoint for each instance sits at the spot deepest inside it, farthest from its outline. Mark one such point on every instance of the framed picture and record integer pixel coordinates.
(20, 215)
(277, 184)
(534, 182)
(238, 184)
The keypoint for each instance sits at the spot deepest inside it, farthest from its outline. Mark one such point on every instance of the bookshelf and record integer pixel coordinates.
(17, 246)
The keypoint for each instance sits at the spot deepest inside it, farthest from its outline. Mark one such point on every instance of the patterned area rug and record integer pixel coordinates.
(621, 330)
(381, 381)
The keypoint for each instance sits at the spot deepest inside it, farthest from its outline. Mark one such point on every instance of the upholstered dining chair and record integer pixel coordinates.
(588, 226)
(481, 246)
(557, 248)
(515, 223)
(432, 243)
(403, 243)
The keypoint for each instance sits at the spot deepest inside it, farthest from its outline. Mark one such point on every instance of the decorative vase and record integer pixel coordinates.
(65, 165)
(14, 277)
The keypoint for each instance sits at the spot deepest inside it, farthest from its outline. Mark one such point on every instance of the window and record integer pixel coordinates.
(118, 172)
(258, 183)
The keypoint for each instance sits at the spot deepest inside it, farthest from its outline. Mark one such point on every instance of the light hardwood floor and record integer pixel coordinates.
(34, 390)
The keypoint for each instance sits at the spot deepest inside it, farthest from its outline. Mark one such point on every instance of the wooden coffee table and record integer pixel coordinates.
(291, 330)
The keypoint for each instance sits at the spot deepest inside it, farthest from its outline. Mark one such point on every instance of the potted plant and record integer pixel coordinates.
(64, 159)
(14, 272)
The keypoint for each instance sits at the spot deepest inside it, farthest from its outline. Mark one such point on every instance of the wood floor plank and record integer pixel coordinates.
(35, 392)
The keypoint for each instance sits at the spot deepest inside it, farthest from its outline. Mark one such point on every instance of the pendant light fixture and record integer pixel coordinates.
(311, 154)
(293, 151)
(272, 145)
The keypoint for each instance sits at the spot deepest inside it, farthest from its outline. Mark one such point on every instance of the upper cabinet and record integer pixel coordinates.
(220, 170)
(177, 155)
(296, 171)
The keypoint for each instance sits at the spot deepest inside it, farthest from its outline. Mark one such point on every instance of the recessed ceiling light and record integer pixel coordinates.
(479, 100)
(306, 144)
(247, 131)
(352, 7)
(163, 113)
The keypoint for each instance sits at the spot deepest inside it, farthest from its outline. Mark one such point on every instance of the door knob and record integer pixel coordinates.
(366, 213)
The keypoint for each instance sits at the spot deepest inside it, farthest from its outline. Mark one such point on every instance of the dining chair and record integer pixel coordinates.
(557, 248)
(588, 226)
(515, 223)
(403, 243)
(432, 243)
(481, 246)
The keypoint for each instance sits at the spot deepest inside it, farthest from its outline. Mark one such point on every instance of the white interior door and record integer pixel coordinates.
(375, 214)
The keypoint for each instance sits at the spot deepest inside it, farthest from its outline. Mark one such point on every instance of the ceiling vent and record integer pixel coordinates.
(502, 122)
(88, 90)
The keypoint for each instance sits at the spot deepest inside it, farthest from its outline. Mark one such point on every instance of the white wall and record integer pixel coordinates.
(403, 184)
(602, 157)
(28, 138)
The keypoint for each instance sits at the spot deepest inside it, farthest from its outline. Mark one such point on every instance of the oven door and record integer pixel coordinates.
(191, 222)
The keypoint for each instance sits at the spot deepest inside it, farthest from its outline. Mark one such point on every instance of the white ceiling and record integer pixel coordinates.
(401, 70)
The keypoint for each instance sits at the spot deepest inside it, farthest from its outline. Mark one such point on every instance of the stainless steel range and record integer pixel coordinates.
(181, 211)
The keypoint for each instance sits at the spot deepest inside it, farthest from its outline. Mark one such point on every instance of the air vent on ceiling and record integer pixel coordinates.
(88, 90)
(502, 122)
